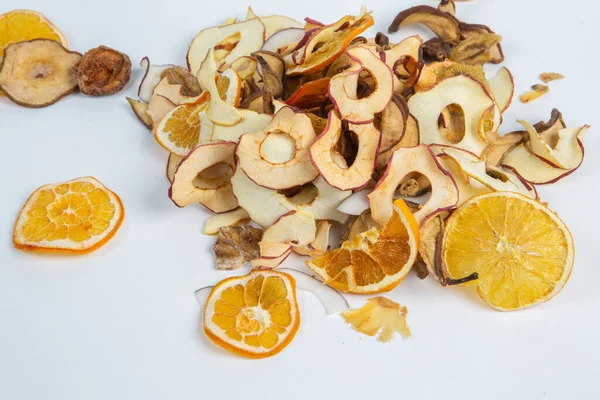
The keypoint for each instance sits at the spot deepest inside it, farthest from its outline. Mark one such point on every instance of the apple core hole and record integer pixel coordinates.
(451, 123)
(278, 148)
(301, 195)
(214, 177)
(367, 84)
(415, 186)
(346, 148)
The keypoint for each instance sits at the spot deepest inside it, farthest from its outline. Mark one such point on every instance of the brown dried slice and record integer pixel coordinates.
(495, 55)
(443, 24)
(547, 77)
(379, 315)
(411, 138)
(140, 109)
(392, 123)
(38, 73)
(447, 6)
(189, 85)
(278, 156)
(434, 50)
(535, 93)
(498, 146)
(272, 69)
(236, 245)
(103, 71)
(360, 224)
(431, 240)
(469, 51)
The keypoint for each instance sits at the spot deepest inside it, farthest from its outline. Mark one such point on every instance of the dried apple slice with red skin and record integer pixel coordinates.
(230, 218)
(252, 122)
(392, 123)
(359, 173)
(151, 78)
(218, 196)
(409, 47)
(172, 164)
(462, 90)
(281, 41)
(251, 38)
(294, 228)
(261, 154)
(503, 88)
(311, 94)
(444, 194)
(343, 88)
(410, 138)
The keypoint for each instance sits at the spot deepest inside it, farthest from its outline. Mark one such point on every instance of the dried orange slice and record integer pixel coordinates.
(374, 261)
(255, 316)
(22, 25)
(78, 216)
(522, 251)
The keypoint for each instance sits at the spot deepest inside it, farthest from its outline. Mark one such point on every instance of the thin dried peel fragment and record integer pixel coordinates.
(140, 109)
(464, 91)
(236, 245)
(203, 176)
(548, 77)
(358, 174)
(38, 73)
(229, 43)
(379, 315)
(232, 218)
(443, 24)
(278, 156)
(404, 162)
(103, 71)
(535, 93)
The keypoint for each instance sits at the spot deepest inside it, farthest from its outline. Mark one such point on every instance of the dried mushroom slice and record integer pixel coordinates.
(140, 110)
(38, 73)
(236, 245)
(343, 88)
(228, 43)
(466, 93)
(404, 163)
(443, 24)
(103, 71)
(203, 176)
(278, 156)
(346, 177)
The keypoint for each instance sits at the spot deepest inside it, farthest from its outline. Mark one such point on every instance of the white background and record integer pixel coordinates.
(122, 323)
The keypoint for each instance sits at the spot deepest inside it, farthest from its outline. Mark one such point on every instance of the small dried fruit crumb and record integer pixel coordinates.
(236, 245)
(536, 92)
(551, 76)
(102, 71)
(379, 315)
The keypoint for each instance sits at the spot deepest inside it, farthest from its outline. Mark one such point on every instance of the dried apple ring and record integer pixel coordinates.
(343, 177)
(203, 176)
(343, 87)
(277, 157)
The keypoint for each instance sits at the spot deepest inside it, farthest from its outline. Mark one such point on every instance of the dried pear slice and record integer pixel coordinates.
(475, 49)
(503, 88)
(231, 41)
(203, 176)
(232, 218)
(278, 156)
(140, 109)
(359, 173)
(38, 73)
(443, 24)
(343, 87)
(495, 54)
(448, 6)
(464, 91)
(404, 161)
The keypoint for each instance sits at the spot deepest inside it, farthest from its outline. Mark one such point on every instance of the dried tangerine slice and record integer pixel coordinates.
(374, 261)
(77, 216)
(522, 251)
(255, 316)
(23, 25)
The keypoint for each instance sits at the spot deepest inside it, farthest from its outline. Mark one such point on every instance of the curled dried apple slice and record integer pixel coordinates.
(219, 111)
(466, 93)
(392, 123)
(284, 41)
(503, 88)
(38, 73)
(343, 87)
(203, 176)
(232, 218)
(407, 48)
(230, 41)
(443, 24)
(358, 174)
(326, 44)
(278, 156)
(404, 162)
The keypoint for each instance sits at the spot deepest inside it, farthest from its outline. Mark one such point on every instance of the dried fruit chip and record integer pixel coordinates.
(140, 110)
(77, 216)
(232, 218)
(535, 93)
(102, 71)
(236, 245)
(494, 55)
(473, 49)
(379, 315)
(38, 73)
(547, 77)
(189, 85)
(447, 6)
(443, 24)
(255, 316)
(435, 50)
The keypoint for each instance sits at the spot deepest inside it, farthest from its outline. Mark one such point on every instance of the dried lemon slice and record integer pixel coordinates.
(255, 316)
(78, 216)
(521, 250)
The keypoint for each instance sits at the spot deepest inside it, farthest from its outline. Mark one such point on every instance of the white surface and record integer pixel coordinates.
(123, 323)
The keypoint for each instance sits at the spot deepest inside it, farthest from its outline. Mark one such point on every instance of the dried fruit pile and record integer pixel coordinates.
(284, 129)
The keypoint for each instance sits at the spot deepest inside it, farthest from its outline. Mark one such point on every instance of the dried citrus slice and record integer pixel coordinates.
(78, 216)
(22, 25)
(521, 250)
(374, 261)
(255, 316)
